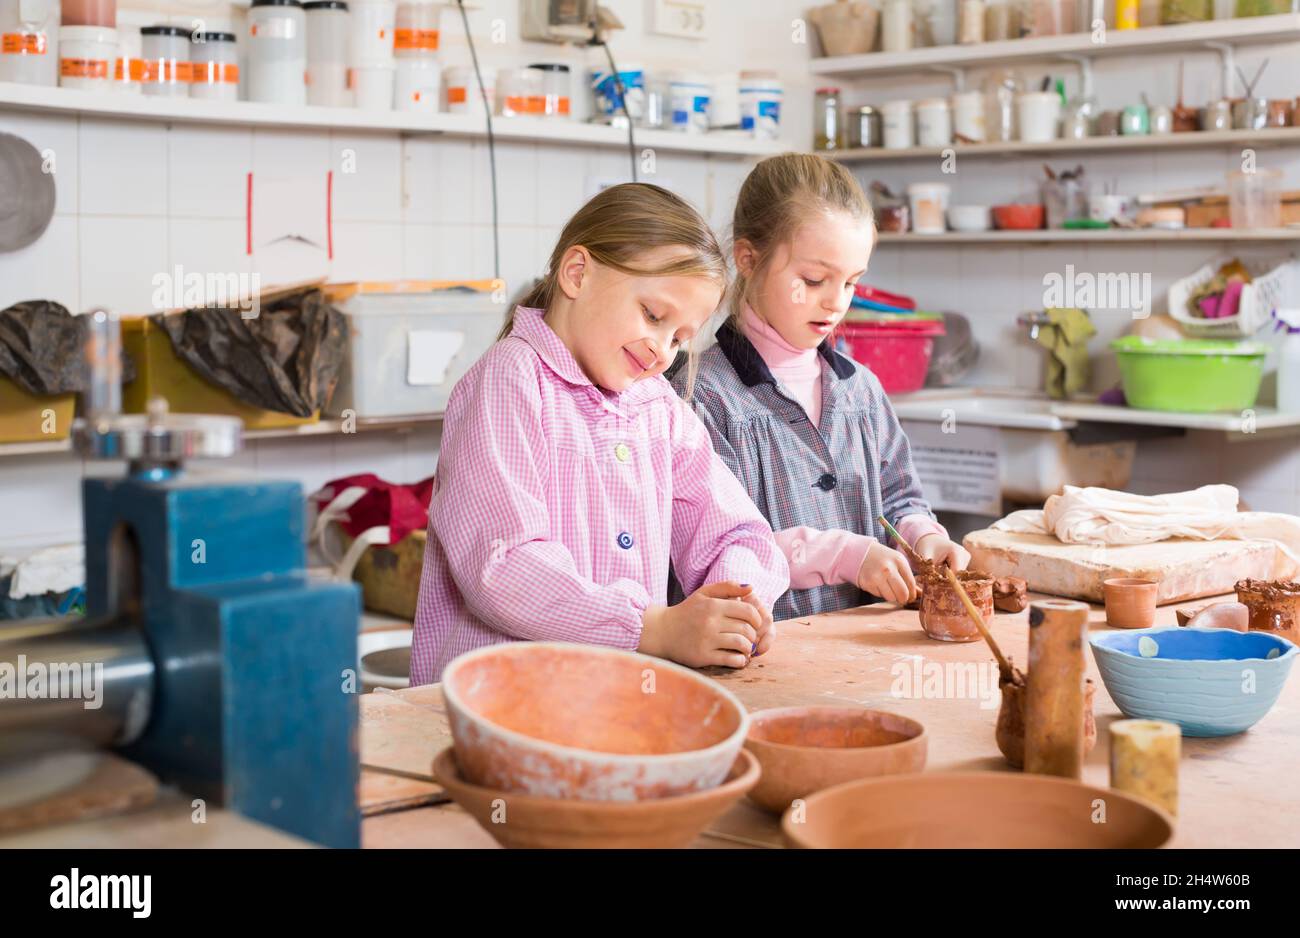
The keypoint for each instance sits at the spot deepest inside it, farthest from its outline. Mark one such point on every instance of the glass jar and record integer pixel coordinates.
(1001, 89)
(1185, 11)
(826, 120)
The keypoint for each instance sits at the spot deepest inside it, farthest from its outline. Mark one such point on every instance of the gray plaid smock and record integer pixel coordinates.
(842, 475)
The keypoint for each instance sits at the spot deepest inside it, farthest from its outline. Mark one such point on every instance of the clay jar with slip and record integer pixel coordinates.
(1010, 732)
(1130, 602)
(943, 615)
(1274, 607)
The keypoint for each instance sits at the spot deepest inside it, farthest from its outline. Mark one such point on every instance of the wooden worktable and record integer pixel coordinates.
(1235, 791)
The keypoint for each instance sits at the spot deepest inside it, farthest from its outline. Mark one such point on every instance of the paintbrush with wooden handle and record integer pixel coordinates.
(1004, 666)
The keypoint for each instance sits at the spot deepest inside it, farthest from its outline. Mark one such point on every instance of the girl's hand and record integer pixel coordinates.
(712, 626)
(942, 551)
(767, 628)
(887, 574)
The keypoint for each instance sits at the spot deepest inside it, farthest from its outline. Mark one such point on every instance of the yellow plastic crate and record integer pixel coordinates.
(160, 372)
(25, 418)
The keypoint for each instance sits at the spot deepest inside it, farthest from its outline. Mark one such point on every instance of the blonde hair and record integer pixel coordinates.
(778, 196)
(620, 225)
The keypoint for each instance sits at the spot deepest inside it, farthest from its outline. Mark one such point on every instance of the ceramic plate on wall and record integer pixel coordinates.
(26, 194)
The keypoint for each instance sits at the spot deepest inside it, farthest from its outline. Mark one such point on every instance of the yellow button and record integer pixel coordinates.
(622, 452)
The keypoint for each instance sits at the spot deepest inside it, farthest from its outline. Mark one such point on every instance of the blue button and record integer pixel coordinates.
(625, 540)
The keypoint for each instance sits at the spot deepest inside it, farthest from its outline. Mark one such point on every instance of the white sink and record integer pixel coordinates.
(1036, 456)
(981, 408)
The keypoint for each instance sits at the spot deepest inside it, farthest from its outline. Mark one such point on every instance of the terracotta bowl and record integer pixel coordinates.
(974, 809)
(517, 820)
(561, 720)
(806, 749)
(1019, 217)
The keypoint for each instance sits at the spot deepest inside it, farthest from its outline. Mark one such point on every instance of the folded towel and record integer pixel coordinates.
(1104, 516)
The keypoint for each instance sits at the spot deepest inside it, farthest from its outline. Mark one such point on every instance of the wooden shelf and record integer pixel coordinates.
(323, 428)
(1278, 136)
(1185, 37)
(249, 113)
(1052, 235)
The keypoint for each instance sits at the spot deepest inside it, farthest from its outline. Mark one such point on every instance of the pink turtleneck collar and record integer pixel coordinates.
(798, 371)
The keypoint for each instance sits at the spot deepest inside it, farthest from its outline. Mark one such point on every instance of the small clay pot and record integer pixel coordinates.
(943, 615)
(1010, 732)
(806, 749)
(1274, 607)
(1010, 594)
(1130, 602)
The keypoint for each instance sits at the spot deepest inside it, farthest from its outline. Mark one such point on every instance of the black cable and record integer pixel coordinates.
(492, 143)
(621, 91)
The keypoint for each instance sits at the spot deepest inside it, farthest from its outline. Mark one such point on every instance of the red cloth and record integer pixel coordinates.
(403, 508)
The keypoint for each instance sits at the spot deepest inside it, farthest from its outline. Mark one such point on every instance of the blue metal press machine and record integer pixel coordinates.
(226, 671)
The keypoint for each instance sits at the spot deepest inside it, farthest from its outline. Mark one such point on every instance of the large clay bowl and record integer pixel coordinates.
(1211, 682)
(561, 720)
(806, 749)
(517, 820)
(974, 809)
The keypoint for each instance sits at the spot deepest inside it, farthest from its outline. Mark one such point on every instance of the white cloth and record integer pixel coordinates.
(52, 570)
(1103, 516)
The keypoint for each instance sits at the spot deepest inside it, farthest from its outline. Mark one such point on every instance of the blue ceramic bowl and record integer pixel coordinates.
(1211, 682)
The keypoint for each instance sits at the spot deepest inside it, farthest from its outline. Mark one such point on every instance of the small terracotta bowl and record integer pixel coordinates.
(1130, 602)
(517, 820)
(806, 749)
(973, 809)
(561, 720)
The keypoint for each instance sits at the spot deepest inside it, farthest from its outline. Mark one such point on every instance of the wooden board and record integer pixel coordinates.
(402, 731)
(71, 786)
(1235, 791)
(382, 792)
(1185, 569)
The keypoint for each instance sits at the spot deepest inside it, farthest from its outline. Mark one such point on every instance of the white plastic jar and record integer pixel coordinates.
(929, 204)
(86, 57)
(417, 85)
(690, 103)
(557, 88)
(933, 123)
(896, 117)
(760, 104)
(415, 32)
(372, 32)
(329, 35)
(372, 86)
(166, 54)
(896, 25)
(29, 41)
(276, 44)
(214, 67)
(128, 71)
(968, 115)
(520, 92)
(462, 90)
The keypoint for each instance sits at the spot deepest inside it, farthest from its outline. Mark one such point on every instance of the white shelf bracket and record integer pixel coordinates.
(958, 76)
(1227, 58)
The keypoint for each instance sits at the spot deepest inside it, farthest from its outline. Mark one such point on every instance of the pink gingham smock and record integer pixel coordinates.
(558, 507)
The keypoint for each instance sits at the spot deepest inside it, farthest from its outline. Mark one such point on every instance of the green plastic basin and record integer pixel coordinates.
(1192, 375)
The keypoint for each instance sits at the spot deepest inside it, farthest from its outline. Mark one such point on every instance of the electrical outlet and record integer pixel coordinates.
(684, 19)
